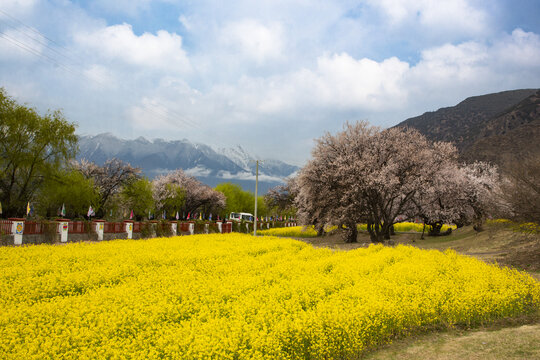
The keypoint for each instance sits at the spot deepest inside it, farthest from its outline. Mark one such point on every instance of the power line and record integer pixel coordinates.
(161, 111)
(31, 50)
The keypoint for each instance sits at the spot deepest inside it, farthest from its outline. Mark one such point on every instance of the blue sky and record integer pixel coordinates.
(270, 75)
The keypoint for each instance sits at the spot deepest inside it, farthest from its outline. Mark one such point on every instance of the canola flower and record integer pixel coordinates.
(234, 296)
(309, 231)
(528, 227)
(292, 231)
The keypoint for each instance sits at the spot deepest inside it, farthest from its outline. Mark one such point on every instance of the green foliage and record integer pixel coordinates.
(176, 199)
(68, 187)
(163, 229)
(137, 196)
(50, 233)
(32, 148)
(239, 200)
(243, 227)
(146, 229)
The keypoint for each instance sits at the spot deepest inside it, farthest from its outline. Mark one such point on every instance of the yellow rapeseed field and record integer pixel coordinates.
(309, 231)
(234, 296)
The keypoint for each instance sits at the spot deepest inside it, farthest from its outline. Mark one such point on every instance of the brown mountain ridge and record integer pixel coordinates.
(495, 127)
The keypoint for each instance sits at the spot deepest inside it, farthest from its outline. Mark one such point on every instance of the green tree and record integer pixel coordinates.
(239, 200)
(137, 196)
(69, 188)
(32, 148)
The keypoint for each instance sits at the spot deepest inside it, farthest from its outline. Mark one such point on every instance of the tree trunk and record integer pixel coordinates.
(436, 227)
(352, 234)
(375, 232)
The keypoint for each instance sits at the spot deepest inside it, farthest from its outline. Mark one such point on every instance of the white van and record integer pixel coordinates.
(241, 216)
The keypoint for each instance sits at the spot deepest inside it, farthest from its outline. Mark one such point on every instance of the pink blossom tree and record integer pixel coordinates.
(364, 174)
(109, 179)
(186, 194)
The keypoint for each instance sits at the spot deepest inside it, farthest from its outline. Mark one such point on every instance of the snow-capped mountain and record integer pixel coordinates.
(158, 156)
(266, 167)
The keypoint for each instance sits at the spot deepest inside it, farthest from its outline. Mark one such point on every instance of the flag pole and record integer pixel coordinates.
(256, 186)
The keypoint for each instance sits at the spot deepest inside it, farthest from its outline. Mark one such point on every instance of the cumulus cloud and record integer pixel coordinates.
(245, 72)
(458, 15)
(20, 44)
(198, 171)
(254, 41)
(101, 76)
(520, 49)
(162, 51)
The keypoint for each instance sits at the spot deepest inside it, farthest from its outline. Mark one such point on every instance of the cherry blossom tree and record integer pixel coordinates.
(364, 174)
(188, 192)
(109, 179)
(280, 199)
(457, 194)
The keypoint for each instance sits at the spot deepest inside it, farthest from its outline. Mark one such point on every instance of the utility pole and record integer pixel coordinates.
(256, 186)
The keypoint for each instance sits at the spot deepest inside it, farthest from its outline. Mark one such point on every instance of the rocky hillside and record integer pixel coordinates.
(493, 127)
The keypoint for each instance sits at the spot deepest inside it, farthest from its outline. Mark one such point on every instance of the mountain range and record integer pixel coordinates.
(158, 156)
(498, 128)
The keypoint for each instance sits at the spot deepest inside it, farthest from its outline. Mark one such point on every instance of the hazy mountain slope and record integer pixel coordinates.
(463, 124)
(159, 156)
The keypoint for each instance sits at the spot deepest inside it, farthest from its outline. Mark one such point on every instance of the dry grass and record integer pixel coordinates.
(521, 342)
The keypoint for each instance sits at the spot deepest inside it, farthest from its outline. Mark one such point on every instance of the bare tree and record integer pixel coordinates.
(281, 197)
(521, 190)
(108, 178)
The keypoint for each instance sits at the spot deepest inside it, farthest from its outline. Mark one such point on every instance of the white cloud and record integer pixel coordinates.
(457, 15)
(162, 51)
(199, 170)
(149, 115)
(255, 41)
(226, 175)
(16, 7)
(520, 49)
(21, 44)
(346, 82)
(338, 81)
(101, 76)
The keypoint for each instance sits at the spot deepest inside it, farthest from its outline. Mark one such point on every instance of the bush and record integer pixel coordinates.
(146, 229)
(163, 229)
(50, 231)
